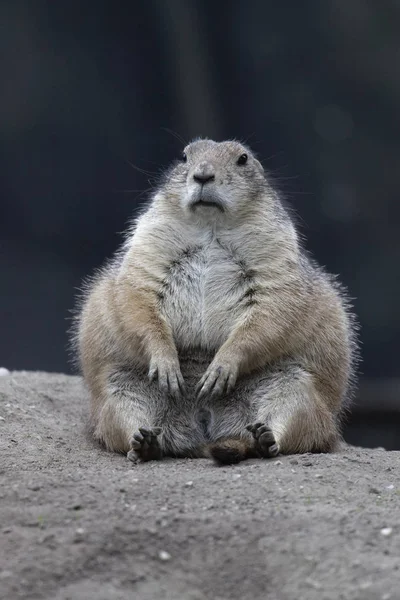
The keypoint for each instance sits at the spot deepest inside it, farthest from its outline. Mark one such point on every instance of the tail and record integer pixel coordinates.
(230, 451)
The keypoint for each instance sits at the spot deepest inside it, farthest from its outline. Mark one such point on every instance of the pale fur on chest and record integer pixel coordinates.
(206, 278)
(205, 291)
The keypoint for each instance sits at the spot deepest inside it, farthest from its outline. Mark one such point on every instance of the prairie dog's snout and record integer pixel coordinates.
(203, 187)
(204, 173)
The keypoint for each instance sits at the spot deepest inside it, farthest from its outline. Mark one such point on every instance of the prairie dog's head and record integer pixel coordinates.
(215, 178)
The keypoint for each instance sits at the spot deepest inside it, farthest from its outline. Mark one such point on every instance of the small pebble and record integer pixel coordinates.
(151, 530)
(294, 461)
(189, 484)
(278, 462)
(4, 372)
(2, 419)
(4, 574)
(163, 555)
(79, 533)
(236, 476)
(364, 585)
(390, 487)
(373, 490)
(313, 583)
(386, 531)
(318, 476)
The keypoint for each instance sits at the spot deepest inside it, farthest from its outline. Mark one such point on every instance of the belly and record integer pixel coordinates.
(204, 295)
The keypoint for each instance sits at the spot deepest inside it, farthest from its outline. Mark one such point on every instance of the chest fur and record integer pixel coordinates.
(205, 291)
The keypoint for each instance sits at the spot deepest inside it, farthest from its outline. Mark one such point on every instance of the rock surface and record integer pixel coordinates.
(79, 523)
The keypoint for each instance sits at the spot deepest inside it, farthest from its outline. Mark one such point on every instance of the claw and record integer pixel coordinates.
(200, 385)
(273, 450)
(173, 385)
(181, 383)
(219, 387)
(145, 432)
(231, 383)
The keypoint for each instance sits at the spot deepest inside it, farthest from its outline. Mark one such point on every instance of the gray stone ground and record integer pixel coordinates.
(79, 523)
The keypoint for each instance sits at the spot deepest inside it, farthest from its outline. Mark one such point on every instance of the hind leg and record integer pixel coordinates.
(125, 420)
(293, 415)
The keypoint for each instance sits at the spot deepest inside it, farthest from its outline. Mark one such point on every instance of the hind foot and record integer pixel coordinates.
(265, 443)
(145, 445)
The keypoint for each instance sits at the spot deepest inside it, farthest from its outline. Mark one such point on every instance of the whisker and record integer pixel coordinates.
(131, 191)
(175, 135)
(247, 139)
(273, 155)
(140, 170)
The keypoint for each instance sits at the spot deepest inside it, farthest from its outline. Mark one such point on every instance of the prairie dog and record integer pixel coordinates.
(212, 333)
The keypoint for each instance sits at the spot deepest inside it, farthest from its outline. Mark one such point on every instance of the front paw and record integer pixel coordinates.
(219, 378)
(168, 373)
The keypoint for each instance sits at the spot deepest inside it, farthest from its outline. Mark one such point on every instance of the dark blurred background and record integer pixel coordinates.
(88, 88)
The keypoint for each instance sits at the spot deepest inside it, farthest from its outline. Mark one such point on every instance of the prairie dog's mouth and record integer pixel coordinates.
(207, 203)
(206, 198)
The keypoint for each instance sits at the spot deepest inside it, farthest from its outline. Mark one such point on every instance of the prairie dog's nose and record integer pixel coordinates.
(204, 173)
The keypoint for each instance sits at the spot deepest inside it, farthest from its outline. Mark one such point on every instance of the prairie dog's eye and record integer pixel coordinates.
(242, 160)
(184, 157)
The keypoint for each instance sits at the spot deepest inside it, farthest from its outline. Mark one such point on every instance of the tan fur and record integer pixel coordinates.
(223, 297)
